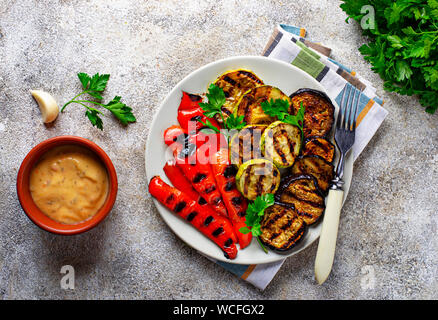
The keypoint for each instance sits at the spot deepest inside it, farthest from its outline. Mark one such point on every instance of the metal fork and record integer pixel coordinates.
(344, 138)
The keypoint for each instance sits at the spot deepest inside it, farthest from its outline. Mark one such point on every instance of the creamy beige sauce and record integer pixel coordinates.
(69, 184)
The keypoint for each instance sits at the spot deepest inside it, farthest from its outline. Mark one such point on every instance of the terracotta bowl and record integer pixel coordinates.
(35, 214)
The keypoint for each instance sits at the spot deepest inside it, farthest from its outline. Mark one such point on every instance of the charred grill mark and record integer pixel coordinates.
(247, 180)
(170, 199)
(210, 189)
(217, 232)
(236, 201)
(191, 216)
(274, 235)
(217, 200)
(196, 118)
(180, 206)
(229, 80)
(249, 75)
(208, 220)
(241, 213)
(194, 97)
(273, 219)
(202, 201)
(230, 171)
(199, 177)
(277, 146)
(225, 110)
(259, 184)
(297, 236)
(229, 186)
(228, 242)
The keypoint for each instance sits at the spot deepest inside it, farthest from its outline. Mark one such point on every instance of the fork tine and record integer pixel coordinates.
(338, 120)
(356, 108)
(351, 110)
(345, 109)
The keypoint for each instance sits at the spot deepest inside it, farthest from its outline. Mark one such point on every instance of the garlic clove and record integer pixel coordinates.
(48, 106)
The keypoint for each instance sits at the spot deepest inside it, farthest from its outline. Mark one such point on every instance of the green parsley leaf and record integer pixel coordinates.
(216, 99)
(234, 123)
(120, 110)
(94, 86)
(254, 215)
(94, 118)
(280, 108)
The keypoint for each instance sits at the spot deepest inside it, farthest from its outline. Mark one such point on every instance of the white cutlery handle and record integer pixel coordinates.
(329, 233)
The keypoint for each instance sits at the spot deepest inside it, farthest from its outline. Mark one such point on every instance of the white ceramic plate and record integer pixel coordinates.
(273, 72)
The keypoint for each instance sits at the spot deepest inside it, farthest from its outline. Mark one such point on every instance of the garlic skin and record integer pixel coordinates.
(48, 106)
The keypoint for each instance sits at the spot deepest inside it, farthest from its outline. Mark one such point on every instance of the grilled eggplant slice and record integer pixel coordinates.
(250, 107)
(319, 146)
(235, 83)
(302, 191)
(257, 177)
(245, 145)
(317, 167)
(282, 228)
(281, 143)
(319, 114)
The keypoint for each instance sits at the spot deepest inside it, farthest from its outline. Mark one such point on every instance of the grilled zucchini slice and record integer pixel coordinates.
(282, 228)
(316, 167)
(319, 146)
(302, 191)
(281, 143)
(235, 83)
(257, 177)
(245, 145)
(250, 107)
(319, 114)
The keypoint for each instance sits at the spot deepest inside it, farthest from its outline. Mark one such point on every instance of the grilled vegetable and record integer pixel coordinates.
(319, 114)
(317, 167)
(302, 191)
(235, 83)
(281, 142)
(192, 118)
(249, 105)
(282, 228)
(257, 177)
(189, 101)
(214, 226)
(245, 145)
(201, 177)
(319, 146)
(180, 182)
(225, 175)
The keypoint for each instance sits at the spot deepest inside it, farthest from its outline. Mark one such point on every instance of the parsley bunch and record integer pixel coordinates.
(254, 215)
(216, 99)
(403, 46)
(94, 86)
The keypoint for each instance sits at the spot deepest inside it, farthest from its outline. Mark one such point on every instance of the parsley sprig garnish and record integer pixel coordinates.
(254, 216)
(280, 108)
(94, 86)
(216, 99)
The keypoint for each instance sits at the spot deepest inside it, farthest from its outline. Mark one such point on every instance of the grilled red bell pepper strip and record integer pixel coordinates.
(201, 177)
(225, 175)
(212, 225)
(180, 182)
(189, 101)
(195, 116)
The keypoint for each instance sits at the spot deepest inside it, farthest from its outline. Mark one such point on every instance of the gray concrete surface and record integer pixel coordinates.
(389, 223)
